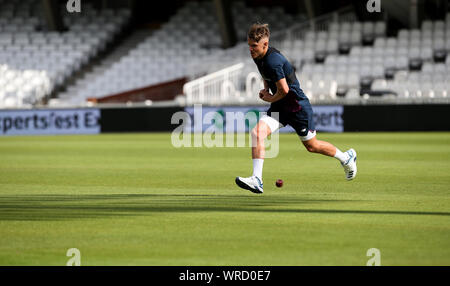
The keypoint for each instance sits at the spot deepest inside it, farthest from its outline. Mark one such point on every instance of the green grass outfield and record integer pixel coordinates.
(133, 199)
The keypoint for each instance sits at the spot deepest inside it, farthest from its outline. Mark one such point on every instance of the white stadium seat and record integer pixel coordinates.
(26, 51)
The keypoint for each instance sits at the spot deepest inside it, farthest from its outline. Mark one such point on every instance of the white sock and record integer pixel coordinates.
(258, 167)
(343, 157)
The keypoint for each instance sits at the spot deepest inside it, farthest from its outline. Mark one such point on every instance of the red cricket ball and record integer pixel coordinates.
(279, 183)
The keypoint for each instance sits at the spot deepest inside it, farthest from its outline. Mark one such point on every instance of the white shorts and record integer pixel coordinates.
(274, 125)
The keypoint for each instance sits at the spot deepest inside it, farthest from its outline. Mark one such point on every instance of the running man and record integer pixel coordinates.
(282, 90)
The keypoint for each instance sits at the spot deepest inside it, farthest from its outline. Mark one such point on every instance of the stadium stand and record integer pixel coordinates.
(415, 53)
(338, 59)
(183, 47)
(426, 67)
(342, 60)
(35, 61)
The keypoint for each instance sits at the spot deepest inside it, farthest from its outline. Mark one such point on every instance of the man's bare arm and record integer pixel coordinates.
(282, 90)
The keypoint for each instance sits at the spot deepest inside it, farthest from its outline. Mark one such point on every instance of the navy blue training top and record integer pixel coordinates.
(273, 67)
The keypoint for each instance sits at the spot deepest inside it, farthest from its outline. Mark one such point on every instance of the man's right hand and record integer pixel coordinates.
(265, 95)
(262, 92)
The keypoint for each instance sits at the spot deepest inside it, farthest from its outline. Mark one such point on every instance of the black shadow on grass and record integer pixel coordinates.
(69, 207)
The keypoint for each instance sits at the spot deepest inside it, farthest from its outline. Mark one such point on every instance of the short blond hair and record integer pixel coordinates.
(258, 31)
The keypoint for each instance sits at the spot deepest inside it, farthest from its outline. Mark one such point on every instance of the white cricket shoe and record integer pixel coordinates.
(253, 184)
(350, 166)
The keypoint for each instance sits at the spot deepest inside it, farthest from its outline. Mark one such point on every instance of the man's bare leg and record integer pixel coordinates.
(322, 147)
(259, 133)
(347, 159)
(254, 183)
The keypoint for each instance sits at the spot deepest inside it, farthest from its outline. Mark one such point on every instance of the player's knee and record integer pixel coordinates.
(311, 148)
(258, 134)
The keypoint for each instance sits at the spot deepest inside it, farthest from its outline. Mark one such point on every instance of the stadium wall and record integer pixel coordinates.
(158, 119)
(138, 119)
(427, 117)
(159, 92)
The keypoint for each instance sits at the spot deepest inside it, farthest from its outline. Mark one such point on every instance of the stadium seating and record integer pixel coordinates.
(28, 51)
(336, 59)
(351, 60)
(415, 53)
(428, 47)
(188, 45)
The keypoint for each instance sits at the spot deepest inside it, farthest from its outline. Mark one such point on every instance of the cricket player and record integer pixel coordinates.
(288, 106)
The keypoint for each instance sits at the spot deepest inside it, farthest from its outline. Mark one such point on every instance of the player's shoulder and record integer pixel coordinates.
(275, 57)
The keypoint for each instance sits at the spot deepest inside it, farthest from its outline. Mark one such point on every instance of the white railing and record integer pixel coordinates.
(228, 85)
